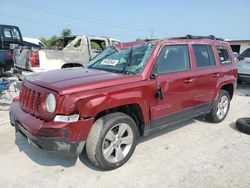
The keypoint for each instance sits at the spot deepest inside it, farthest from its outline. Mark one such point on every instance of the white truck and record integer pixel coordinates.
(76, 54)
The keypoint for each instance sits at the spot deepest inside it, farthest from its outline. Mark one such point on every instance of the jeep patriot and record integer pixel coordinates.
(125, 92)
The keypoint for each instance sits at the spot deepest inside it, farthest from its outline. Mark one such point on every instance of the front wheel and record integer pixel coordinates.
(112, 140)
(220, 108)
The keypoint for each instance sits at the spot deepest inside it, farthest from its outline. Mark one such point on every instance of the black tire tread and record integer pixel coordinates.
(243, 124)
(95, 134)
(211, 116)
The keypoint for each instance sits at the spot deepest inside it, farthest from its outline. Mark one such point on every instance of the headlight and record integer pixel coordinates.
(50, 103)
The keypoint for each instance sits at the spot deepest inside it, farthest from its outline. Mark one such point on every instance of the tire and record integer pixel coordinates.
(108, 135)
(220, 108)
(239, 81)
(1, 71)
(243, 124)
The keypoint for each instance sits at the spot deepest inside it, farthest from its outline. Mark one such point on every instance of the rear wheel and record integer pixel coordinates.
(112, 140)
(1, 71)
(220, 108)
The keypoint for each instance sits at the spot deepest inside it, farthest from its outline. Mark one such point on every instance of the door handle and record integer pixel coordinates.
(215, 75)
(189, 80)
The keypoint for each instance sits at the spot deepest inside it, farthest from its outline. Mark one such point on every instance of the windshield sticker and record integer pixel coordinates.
(111, 62)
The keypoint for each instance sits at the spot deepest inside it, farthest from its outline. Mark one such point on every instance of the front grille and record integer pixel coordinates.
(30, 100)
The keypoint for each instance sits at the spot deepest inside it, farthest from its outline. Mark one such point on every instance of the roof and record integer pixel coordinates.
(237, 40)
(187, 38)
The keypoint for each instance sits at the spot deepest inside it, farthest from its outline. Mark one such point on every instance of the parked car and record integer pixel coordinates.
(239, 46)
(10, 37)
(127, 91)
(33, 43)
(243, 66)
(76, 54)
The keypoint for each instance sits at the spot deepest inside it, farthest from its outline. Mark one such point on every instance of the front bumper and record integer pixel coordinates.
(67, 139)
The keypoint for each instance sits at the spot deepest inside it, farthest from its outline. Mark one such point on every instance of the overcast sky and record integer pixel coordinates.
(130, 19)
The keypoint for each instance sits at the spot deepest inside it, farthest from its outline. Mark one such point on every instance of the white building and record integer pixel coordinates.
(239, 46)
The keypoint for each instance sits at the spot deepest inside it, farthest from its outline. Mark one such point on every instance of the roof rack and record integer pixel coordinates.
(212, 37)
(148, 40)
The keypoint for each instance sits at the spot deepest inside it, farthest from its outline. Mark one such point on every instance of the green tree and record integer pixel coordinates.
(54, 41)
(66, 32)
(51, 42)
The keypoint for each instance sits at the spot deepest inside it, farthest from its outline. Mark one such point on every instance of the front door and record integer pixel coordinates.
(174, 86)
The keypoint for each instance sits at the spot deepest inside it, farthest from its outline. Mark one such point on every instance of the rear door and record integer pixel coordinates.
(207, 73)
(174, 86)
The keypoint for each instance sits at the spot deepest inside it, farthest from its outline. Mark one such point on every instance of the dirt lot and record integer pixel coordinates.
(194, 154)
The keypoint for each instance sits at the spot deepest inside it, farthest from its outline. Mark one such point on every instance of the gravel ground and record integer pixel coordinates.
(193, 154)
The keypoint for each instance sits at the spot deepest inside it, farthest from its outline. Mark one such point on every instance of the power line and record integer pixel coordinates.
(44, 9)
(86, 17)
(86, 32)
(26, 19)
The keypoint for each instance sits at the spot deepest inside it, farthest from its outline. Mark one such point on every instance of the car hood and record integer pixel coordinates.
(72, 80)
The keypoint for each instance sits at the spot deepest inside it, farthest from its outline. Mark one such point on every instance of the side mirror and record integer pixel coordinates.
(153, 75)
(240, 58)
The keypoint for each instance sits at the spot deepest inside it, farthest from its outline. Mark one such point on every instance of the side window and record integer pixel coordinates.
(114, 42)
(173, 58)
(78, 43)
(12, 33)
(246, 53)
(223, 55)
(16, 34)
(97, 46)
(7, 33)
(203, 55)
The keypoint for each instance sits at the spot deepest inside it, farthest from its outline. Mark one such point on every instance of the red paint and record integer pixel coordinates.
(89, 92)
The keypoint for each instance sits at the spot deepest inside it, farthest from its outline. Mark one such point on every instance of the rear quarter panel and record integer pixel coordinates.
(229, 71)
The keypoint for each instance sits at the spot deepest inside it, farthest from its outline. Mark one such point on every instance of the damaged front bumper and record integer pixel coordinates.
(54, 144)
(67, 139)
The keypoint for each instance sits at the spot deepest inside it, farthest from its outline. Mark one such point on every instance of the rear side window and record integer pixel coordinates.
(173, 58)
(203, 55)
(223, 55)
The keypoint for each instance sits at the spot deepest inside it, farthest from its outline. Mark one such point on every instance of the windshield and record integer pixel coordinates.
(126, 61)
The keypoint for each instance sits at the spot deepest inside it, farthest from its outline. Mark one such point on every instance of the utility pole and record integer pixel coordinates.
(152, 33)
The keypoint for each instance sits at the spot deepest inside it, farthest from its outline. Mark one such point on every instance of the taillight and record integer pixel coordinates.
(34, 59)
(9, 54)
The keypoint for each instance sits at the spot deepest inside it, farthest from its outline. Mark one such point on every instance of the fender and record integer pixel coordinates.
(95, 105)
(224, 81)
(90, 103)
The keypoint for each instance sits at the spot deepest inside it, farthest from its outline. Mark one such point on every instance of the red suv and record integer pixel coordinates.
(127, 91)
